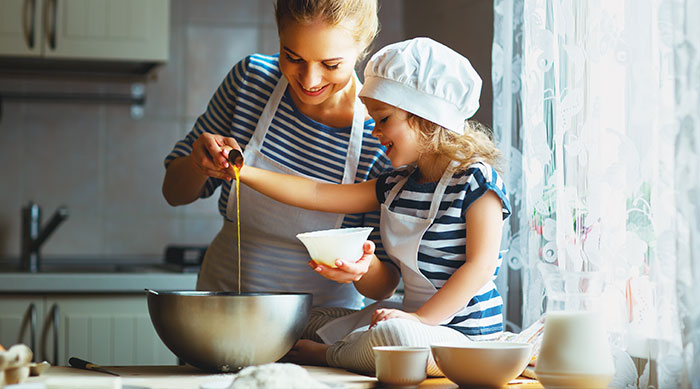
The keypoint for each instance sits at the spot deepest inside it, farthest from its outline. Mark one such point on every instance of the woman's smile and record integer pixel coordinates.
(318, 60)
(313, 91)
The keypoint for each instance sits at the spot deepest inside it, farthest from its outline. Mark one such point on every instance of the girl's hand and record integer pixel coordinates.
(208, 156)
(347, 272)
(387, 313)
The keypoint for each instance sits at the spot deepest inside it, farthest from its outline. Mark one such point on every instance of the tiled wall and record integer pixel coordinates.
(106, 167)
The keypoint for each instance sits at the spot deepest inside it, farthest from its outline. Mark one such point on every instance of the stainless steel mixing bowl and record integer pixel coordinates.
(226, 331)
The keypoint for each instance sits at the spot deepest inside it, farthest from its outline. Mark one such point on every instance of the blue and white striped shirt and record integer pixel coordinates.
(293, 140)
(442, 249)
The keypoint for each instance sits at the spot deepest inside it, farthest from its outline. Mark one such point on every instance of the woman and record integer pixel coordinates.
(297, 113)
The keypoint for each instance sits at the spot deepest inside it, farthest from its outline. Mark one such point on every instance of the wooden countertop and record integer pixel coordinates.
(176, 377)
(187, 377)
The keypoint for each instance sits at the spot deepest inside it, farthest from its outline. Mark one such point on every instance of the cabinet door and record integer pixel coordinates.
(108, 330)
(107, 29)
(20, 27)
(20, 321)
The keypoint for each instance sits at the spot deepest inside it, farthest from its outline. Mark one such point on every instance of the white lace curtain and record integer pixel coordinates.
(597, 107)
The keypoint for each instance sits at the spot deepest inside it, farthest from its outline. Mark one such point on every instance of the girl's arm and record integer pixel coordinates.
(372, 277)
(484, 222)
(484, 227)
(308, 194)
(379, 282)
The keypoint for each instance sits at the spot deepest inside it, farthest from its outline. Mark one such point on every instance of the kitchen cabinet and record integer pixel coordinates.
(19, 320)
(107, 329)
(123, 30)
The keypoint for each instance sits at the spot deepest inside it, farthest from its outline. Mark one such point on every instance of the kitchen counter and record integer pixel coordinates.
(187, 377)
(117, 282)
(176, 377)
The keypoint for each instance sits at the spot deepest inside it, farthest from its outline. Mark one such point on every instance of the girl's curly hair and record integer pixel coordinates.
(476, 144)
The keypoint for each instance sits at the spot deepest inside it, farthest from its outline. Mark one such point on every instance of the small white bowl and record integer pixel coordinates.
(327, 246)
(400, 365)
(482, 364)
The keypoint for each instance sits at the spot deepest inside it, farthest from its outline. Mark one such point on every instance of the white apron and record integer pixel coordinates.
(272, 258)
(401, 237)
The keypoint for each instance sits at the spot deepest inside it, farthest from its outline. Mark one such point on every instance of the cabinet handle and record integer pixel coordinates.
(32, 328)
(55, 334)
(29, 13)
(50, 25)
(54, 314)
(29, 318)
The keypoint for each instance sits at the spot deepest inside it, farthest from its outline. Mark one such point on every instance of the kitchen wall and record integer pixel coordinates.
(107, 168)
(464, 25)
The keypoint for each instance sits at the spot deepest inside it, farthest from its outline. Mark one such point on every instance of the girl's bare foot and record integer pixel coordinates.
(307, 352)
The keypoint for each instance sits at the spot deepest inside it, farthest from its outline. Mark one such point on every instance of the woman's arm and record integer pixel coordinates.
(182, 184)
(185, 176)
(308, 194)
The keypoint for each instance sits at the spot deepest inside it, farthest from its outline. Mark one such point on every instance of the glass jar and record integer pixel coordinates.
(575, 352)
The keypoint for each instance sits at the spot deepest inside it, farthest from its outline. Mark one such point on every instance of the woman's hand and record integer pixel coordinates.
(208, 157)
(387, 313)
(347, 272)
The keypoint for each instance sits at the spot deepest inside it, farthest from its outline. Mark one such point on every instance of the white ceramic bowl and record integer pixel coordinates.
(327, 246)
(482, 364)
(401, 365)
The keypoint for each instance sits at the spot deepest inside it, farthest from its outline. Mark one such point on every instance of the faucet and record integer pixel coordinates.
(33, 236)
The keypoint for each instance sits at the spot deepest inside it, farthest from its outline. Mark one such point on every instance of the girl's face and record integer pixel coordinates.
(317, 59)
(394, 131)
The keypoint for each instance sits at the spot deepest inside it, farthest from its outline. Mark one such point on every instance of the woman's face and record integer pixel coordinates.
(394, 131)
(317, 59)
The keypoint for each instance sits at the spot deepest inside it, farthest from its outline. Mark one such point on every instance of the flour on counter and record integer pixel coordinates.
(275, 376)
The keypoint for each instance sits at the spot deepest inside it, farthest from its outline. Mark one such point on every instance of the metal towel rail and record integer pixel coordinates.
(136, 98)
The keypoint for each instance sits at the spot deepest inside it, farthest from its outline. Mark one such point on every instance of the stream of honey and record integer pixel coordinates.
(237, 172)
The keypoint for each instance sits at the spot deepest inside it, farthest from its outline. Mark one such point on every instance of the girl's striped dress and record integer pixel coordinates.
(442, 249)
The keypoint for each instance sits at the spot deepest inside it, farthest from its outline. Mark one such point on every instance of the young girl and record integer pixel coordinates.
(442, 210)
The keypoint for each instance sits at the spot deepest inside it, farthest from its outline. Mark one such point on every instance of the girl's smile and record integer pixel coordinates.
(389, 146)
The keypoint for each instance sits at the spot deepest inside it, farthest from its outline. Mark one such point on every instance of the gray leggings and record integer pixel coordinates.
(318, 317)
(355, 353)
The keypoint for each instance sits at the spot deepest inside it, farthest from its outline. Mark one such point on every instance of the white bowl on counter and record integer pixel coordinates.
(482, 364)
(401, 365)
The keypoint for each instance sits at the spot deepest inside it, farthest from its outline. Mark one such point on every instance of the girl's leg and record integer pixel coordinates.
(310, 349)
(318, 317)
(354, 352)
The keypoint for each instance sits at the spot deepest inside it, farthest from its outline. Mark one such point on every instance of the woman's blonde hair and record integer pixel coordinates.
(475, 145)
(363, 13)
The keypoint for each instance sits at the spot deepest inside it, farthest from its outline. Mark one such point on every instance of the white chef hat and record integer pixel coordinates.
(425, 78)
